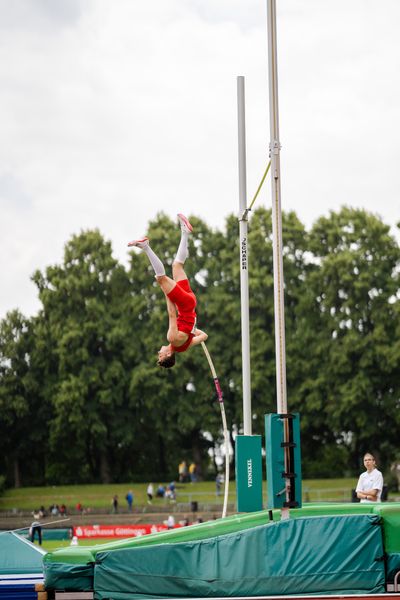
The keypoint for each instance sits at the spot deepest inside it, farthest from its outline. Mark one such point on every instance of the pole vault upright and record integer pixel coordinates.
(282, 429)
(247, 446)
(244, 272)
(274, 149)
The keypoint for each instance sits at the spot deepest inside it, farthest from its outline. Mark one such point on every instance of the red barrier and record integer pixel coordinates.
(111, 531)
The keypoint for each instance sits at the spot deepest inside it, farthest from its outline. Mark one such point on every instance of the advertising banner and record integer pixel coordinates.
(111, 531)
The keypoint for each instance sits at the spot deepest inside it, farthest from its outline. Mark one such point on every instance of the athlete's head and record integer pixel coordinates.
(166, 357)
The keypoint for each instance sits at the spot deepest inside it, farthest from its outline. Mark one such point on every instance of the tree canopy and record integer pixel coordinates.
(83, 400)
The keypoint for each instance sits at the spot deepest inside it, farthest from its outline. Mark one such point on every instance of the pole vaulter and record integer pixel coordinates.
(182, 331)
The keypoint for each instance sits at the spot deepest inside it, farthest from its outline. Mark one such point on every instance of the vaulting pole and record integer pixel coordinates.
(275, 148)
(224, 425)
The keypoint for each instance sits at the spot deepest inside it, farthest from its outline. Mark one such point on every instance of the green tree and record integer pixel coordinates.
(83, 307)
(83, 399)
(23, 415)
(353, 375)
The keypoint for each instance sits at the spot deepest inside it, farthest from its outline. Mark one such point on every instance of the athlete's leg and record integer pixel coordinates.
(178, 272)
(166, 284)
(186, 230)
(144, 244)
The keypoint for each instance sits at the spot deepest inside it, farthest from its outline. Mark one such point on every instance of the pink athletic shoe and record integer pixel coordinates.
(144, 241)
(185, 225)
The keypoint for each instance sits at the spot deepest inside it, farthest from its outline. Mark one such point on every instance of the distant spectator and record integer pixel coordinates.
(129, 500)
(42, 512)
(192, 472)
(54, 510)
(63, 510)
(114, 503)
(160, 491)
(150, 493)
(170, 493)
(170, 522)
(34, 529)
(218, 482)
(79, 508)
(183, 472)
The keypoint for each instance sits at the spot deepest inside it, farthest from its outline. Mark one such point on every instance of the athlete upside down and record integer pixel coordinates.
(181, 301)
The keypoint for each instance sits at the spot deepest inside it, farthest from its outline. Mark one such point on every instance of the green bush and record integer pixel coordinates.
(328, 455)
(390, 480)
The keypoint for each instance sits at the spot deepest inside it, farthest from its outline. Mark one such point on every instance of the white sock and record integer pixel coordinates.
(154, 260)
(183, 251)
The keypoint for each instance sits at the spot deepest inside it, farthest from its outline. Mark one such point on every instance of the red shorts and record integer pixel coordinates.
(185, 300)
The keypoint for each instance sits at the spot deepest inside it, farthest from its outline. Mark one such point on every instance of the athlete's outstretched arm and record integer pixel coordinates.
(171, 308)
(199, 336)
(172, 334)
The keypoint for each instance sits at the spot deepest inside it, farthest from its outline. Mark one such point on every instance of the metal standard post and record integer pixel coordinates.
(244, 276)
(275, 148)
(247, 446)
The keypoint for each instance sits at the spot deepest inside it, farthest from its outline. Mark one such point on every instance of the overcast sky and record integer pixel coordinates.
(111, 111)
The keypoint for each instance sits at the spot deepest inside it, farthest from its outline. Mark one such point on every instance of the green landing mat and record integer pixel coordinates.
(309, 555)
(18, 556)
(72, 568)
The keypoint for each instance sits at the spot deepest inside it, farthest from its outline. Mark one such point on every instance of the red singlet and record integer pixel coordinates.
(185, 301)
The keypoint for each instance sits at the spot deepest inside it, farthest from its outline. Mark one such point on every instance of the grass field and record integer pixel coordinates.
(50, 545)
(99, 496)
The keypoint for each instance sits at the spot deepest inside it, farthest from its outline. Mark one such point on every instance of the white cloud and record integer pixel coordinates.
(112, 111)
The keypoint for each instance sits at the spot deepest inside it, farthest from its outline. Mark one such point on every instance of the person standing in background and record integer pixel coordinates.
(182, 471)
(370, 483)
(150, 493)
(192, 472)
(35, 528)
(114, 503)
(129, 500)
